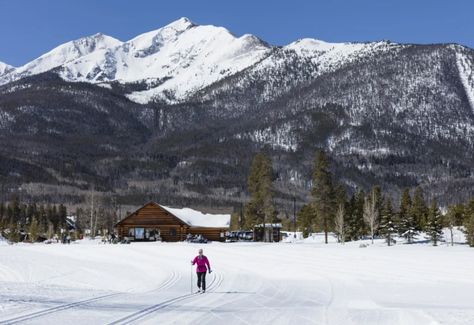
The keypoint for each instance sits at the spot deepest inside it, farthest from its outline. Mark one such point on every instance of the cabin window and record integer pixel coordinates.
(131, 232)
(139, 233)
(173, 232)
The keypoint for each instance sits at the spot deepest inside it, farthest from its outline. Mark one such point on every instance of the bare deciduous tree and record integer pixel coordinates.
(339, 223)
(371, 213)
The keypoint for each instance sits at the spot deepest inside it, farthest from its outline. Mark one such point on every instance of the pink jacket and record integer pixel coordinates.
(201, 263)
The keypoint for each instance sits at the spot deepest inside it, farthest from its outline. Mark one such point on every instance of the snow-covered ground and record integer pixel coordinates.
(305, 282)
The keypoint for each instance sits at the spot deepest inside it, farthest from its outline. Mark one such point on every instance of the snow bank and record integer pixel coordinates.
(3, 241)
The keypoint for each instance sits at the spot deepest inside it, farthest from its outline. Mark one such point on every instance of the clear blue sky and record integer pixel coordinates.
(29, 28)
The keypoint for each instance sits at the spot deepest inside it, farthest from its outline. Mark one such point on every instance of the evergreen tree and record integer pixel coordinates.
(42, 219)
(55, 218)
(30, 213)
(419, 210)
(359, 211)
(469, 222)
(387, 226)
(3, 217)
(307, 219)
(434, 226)
(379, 203)
(13, 232)
(458, 214)
(260, 208)
(356, 226)
(15, 209)
(323, 193)
(62, 216)
(406, 224)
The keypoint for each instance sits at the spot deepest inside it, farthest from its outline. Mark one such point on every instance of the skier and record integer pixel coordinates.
(201, 261)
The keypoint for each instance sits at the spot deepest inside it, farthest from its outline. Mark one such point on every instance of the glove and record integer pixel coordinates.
(192, 263)
(210, 271)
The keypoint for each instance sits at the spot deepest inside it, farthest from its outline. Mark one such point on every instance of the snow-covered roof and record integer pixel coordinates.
(196, 218)
(269, 225)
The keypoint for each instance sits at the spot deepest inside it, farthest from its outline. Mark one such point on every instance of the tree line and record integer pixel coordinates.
(32, 222)
(21, 221)
(356, 216)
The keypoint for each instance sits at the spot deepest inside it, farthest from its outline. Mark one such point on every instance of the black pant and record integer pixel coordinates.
(201, 280)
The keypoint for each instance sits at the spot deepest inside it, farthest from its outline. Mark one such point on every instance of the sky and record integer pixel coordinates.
(29, 28)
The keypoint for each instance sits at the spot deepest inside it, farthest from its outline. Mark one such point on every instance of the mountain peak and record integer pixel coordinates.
(181, 24)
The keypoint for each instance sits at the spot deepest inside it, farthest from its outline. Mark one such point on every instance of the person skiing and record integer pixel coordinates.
(201, 261)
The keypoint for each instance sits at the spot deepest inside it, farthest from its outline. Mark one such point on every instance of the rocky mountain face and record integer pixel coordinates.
(177, 114)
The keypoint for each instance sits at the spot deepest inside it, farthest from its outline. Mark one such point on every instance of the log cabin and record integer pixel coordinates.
(154, 221)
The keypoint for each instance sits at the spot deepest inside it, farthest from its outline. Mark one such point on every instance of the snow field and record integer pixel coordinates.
(252, 283)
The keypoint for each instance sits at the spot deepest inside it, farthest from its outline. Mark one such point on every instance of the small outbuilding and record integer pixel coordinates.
(154, 222)
(268, 232)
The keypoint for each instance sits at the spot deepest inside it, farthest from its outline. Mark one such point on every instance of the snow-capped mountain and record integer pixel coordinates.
(391, 114)
(181, 58)
(174, 60)
(62, 55)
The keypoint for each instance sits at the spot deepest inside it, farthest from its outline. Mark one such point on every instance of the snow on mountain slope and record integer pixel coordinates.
(180, 57)
(5, 68)
(466, 73)
(62, 55)
(330, 56)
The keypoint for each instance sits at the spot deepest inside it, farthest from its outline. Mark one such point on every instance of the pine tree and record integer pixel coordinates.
(406, 224)
(260, 208)
(469, 222)
(387, 226)
(13, 232)
(434, 226)
(355, 216)
(306, 219)
(3, 216)
(42, 219)
(459, 214)
(323, 193)
(419, 210)
(62, 216)
(379, 203)
(15, 209)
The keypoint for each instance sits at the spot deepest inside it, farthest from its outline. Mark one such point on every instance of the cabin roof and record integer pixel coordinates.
(196, 218)
(192, 218)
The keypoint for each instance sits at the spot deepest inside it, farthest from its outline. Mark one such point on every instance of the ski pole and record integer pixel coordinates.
(191, 286)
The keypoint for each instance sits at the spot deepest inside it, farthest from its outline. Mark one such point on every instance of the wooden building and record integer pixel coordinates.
(157, 222)
(269, 232)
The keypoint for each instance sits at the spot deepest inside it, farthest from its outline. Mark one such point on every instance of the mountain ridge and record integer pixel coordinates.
(396, 115)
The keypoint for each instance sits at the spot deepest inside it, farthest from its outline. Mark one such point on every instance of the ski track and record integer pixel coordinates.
(173, 278)
(141, 314)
